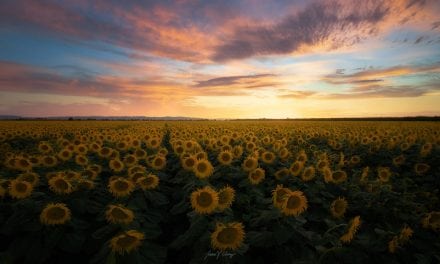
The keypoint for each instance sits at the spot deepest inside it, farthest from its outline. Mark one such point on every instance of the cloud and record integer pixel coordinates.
(243, 81)
(368, 76)
(317, 23)
(297, 94)
(377, 91)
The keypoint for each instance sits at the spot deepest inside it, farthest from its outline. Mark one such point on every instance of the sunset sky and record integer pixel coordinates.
(220, 59)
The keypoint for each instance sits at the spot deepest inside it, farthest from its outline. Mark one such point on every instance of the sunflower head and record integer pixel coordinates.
(352, 230)
(81, 160)
(383, 174)
(399, 160)
(158, 162)
(203, 169)
(226, 196)
(328, 174)
(282, 173)
(85, 184)
(421, 168)
(120, 187)
(65, 155)
(256, 176)
(31, 177)
(49, 161)
(188, 163)
(278, 195)
(268, 157)
(432, 221)
(205, 200)
(20, 189)
(308, 174)
(296, 168)
(295, 203)
(338, 207)
(116, 165)
(339, 176)
(126, 242)
(229, 236)
(118, 214)
(59, 184)
(250, 164)
(354, 160)
(23, 164)
(55, 214)
(225, 158)
(148, 182)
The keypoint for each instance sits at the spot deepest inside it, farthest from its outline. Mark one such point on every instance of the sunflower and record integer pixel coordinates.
(225, 158)
(49, 161)
(237, 151)
(65, 155)
(399, 160)
(159, 162)
(364, 175)
(278, 195)
(23, 164)
(227, 236)
(338, 207)
(322, 164)
(205, 200)
(352, 230)
(405, 234)
(383, 174)
(140, 154)
(283, 153)
(432, 221)
(126, 242)
(282, 173)
(250, 164)
(116, 165)
(339, 176)
(118, 214)
(354, 160)
(60, 185)
(81, 160)
(226, 196)
(426, 149)
(295, 203)
(256, 176)
(328, 174)
(421, 168)
(148, 182)
(203, 169)
(308, 174)
(296, 168)
(105, 152)
(44, 147)
(31, 177)
(120, 187)
(20, 189)
(393, 244)
(268, 157)
(55, 214)
(188, 163)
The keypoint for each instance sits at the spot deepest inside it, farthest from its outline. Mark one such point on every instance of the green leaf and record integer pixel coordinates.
(105, 231)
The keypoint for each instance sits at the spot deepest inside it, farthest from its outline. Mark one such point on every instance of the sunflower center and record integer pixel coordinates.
(189, 162)
(158, 162)
(21, 187)
(225, 157)
(56, 213)
(204, 199)
(149, 181)
(121, 185)
(118, 213)
(293, 202)
(126, 241)
(255, 175)
(201, 167)
(61, 184)
(249, 163)
(228, 235)
(339, 207)
(223, 197)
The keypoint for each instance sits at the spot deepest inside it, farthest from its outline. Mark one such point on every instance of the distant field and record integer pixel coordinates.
(219, 192)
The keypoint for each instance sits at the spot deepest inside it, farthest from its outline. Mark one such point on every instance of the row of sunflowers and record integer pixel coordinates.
(224, 191)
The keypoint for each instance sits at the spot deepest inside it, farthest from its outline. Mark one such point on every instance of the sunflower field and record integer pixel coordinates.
(219, 192)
